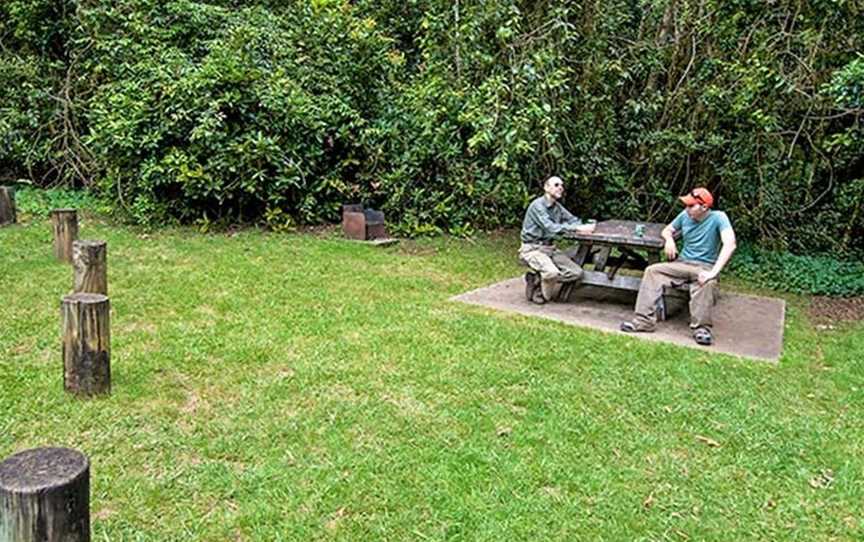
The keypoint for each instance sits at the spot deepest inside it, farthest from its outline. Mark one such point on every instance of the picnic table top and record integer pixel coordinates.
(622, 232)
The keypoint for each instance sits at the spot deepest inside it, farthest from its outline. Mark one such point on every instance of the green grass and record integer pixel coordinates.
(291, 387)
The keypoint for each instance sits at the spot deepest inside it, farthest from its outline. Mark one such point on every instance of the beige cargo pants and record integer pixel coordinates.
(660, 275)
(555, 267)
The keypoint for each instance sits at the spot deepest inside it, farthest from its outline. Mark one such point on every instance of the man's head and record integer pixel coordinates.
(698, 202)
(554, 188)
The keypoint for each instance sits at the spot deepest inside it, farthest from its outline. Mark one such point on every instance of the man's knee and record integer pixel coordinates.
(564, 262)
(549, 275)
(572, 273)
(652, 269)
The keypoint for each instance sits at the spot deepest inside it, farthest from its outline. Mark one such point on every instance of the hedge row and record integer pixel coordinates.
(447, 114)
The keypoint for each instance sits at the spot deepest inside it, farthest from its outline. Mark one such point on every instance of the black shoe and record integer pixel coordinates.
(702, 335)
(538, 298)
(531, 285)
(631, 327)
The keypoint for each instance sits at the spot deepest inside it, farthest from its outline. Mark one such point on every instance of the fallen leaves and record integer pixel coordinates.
(648, 502)
(335, 519)
(709, 441)
(553, 492)
(822, 480)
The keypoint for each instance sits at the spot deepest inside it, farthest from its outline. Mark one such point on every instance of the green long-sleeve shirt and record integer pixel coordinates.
(544, 222)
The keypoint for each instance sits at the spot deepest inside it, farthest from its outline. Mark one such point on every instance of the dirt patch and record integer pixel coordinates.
(827, 310)
(134, 326)
(104, 513)
(411, 247)
(191, 404)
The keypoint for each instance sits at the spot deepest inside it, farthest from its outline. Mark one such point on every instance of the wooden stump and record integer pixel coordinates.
(7, 205)
(91, 270)
(45, 496)
(86, 344)
(65, 223)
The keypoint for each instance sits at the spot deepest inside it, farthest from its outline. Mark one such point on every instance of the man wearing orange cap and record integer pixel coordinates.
(708, 243)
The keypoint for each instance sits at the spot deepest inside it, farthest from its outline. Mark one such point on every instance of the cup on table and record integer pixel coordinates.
(639, 230)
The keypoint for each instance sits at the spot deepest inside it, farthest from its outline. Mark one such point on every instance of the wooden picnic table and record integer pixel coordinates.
(614, 245)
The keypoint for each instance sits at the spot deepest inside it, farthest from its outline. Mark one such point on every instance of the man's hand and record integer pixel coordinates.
(671, 250)
(585, 228)
(705, 276)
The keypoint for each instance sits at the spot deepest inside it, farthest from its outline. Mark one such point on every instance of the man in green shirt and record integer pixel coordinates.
(709, 242)
(545, 220)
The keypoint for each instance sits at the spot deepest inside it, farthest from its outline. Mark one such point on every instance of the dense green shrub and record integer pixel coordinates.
(447, 114)
(40, 202)
(34, 53)
(35, 125)
(263, 113)
(820, 275)
(24, 109)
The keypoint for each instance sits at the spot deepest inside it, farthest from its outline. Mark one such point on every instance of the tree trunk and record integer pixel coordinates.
(86, 344)
(91, 269)
(7, 205)
(65, 223)
(45, 496)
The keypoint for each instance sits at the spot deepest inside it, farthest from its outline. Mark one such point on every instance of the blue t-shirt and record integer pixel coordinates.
(701, 239)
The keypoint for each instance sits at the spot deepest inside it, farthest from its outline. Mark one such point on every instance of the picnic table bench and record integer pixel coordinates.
(615, 245)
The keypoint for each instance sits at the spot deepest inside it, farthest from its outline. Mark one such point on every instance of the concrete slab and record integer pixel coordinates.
(744, 325)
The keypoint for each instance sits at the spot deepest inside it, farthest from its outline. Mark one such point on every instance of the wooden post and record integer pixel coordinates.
(86, 344)
(45, 496)
(65, 223)
(91, 270)
(7, 205)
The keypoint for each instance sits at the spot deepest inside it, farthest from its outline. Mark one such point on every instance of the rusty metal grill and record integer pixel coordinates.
(363, 224)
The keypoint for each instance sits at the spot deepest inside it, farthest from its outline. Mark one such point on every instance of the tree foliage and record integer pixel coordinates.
(448, 114)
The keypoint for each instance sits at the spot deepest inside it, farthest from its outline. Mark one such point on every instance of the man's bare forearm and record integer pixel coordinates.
(723, 258)
(668, 234)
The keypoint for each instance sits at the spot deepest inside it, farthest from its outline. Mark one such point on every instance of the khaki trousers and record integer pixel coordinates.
(659, 275)
(555, 267)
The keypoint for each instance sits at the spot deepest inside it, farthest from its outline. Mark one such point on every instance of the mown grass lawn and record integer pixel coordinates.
(300, 387)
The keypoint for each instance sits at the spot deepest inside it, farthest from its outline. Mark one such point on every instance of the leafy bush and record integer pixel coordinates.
(38, 132)
(818, 275)
(262, 115)
(40, 202)
(446, 115)
(847, 85)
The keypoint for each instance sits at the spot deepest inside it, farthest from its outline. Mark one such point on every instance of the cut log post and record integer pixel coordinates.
(86, 344)
(7, 205)
(65, 223)
(89, 264)
(45, 496)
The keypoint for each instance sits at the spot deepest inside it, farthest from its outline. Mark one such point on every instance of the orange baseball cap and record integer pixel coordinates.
(698, 195)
